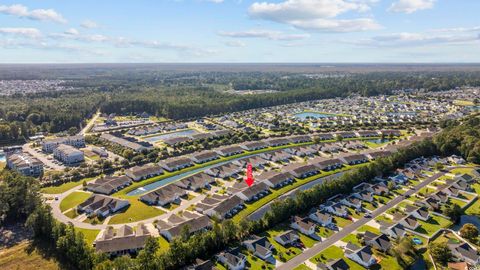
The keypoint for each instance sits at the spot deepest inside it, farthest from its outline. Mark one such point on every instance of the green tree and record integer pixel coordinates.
(469, 232)
(440, 252)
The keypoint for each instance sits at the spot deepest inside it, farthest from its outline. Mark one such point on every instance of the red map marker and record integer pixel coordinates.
(249, 180)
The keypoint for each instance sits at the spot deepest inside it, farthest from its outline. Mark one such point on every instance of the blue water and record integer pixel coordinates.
(304, 115)
(377, 140)
(168, 180)
(3, 158)
(157, 138)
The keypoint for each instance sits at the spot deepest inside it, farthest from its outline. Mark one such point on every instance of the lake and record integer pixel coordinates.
(165, 136)
(305, 115)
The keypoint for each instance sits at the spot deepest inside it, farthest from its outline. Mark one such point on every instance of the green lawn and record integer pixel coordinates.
(365, 228)
(90, 235)
(64, 187)
(458, 202)
(352, 238)
(137, 211)
(164, 245)
(334, 252)
(324, 232)
(432, 225)
(342, 222)
(302, 267)
(307, 240)
(368, 206)
(72, 213)
(73, 199)
(254, 262)
(474, 208)
(287, 253)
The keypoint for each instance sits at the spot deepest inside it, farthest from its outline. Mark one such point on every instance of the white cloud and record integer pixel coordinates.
(35, 14)
(22, 32)
(267, 34)
(411, 6)
(72, 31)
(89, 24)
(318, 15)
(235, 43)
(408, 39)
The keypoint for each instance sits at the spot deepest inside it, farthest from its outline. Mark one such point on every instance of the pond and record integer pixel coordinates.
(464, 219)
(305, 115)
(186, 132)
(378, 141)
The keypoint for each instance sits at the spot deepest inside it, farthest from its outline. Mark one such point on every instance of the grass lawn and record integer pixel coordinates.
(342, 222)
(90, 235)
(64, 187)
(365, 228)
(324, 232)
(368, 206)
(387, 261)
(73, 199)
(137, 211)
(462, 171)
(164, 245)
(72, 213)
(334, 252)
(306, 240)
(383, 218)
(474, 208)
(254, 262)
(463, 102)
(457, 201)
(352, 238)
(302, 267)
(21, 256)
(287, 252)
(432, 225)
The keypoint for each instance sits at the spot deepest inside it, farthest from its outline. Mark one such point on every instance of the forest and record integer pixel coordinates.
(191, 94)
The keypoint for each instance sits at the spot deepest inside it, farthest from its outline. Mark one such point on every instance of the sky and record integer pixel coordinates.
(201, 31)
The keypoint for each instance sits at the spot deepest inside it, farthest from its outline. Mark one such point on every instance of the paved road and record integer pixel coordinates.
(90, 123)
(319, 247)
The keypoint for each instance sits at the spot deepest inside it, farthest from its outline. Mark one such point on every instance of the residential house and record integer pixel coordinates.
(407, 221)
(353, 159)
(259, 246)
(252, 146)
(101, 205)
(377, 241)
(138, 173)
(164, 195)
(287, 238)
(229, 150)
(303, 225)
(194, 225)
(352, 201)
(464, 252)
(224, 171)
(275, 179)
(77, 141)
(361, 255)
(204, 156)
(393, 230)
(227, 208)
(232, 259)
(337, 209)
(277, 156)
(175, 163)
(301, 170)
(109, 184)
(196, 181)
(254, 192)
(322, 218)
(326, 164)
(124, 240)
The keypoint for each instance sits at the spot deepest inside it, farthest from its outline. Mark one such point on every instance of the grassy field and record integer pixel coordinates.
(90, 235)
(287, 253)
(342, 222)
(64, 187)
(137, 211)
(302, 267)
(474, 208)
(21, 257)
(73, 199)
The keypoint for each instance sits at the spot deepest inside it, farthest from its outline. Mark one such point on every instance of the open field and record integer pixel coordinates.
(64, 187)
(21, 257)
